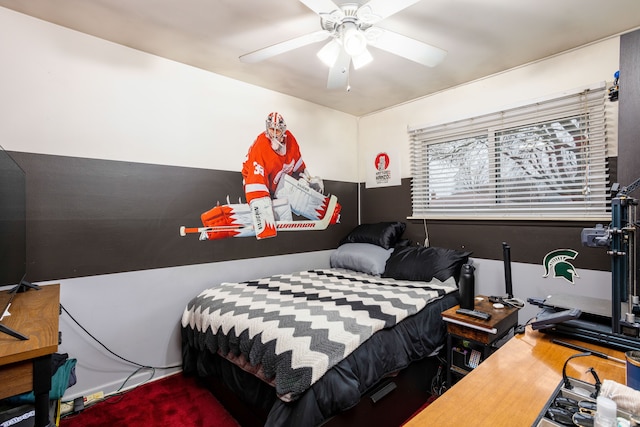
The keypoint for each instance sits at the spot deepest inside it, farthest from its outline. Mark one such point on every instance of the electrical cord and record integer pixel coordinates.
(139, 365)
(119, 392)
(426, 234)
(438, 383)
(520, 329)
(511, 302)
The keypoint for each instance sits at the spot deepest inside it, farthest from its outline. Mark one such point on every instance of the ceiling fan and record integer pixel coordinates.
(351, 29)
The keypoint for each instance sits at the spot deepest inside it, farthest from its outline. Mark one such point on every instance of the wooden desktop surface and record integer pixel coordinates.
(512, 386)
(34, 313)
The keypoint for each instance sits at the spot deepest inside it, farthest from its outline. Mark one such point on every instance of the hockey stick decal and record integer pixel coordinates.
(302, 225)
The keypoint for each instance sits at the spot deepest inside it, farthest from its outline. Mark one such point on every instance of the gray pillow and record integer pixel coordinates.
(363, 257)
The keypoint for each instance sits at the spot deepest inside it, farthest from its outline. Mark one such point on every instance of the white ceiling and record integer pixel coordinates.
(482, 37)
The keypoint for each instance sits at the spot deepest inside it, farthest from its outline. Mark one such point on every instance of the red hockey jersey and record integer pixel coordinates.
(263, 168)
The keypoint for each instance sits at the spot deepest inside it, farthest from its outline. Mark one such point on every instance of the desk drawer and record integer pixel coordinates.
(16, 378)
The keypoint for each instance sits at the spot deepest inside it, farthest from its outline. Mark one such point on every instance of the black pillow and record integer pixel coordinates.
(403, 243)
(425, 263)
(384, 234)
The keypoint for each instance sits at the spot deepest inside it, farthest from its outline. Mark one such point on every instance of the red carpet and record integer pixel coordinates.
(174, 401)
(427, 403)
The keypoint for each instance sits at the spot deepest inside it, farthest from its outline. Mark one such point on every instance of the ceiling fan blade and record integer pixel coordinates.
(362, 59)
(408, 48)
(277, 49)
(320, 6)
(377, 10)
(339, 73)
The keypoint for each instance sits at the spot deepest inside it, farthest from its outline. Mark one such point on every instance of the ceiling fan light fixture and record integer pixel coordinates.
(372, 34)
(354, 41)
(329, 53)
(361, 60)
(350, 28)
(365, 14)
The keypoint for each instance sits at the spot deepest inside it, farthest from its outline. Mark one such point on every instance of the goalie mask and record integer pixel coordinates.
(276, 128)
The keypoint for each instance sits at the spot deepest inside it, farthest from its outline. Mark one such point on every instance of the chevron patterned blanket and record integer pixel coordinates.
(290, 329)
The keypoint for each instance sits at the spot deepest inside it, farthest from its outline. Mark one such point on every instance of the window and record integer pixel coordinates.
(546, 160)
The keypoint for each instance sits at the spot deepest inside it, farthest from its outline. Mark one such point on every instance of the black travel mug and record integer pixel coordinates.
(466, 285)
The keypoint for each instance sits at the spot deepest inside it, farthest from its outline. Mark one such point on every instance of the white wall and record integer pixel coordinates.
(387, 130)
(67, 93)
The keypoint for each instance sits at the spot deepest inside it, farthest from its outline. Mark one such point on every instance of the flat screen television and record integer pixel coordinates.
(13, 228)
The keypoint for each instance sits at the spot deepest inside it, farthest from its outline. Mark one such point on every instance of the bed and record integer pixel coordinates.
(305, 348)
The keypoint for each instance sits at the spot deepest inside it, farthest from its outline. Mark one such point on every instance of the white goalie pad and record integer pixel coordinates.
(282, 210)
(303, 200)
(264, 221)
(236, 220)
(229, 220)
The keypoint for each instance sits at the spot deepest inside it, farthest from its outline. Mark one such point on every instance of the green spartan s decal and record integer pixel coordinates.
(556, 261)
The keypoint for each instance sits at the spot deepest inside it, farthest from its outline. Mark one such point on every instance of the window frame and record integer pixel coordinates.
(587, 104)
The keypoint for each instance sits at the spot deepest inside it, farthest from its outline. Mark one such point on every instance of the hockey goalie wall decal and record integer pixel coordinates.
(277, 185)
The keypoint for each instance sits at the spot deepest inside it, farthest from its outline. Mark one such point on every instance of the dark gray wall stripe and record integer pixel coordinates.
(88, 217)
(530, 241)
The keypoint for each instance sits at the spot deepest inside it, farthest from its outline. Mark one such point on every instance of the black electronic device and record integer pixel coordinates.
(508, 283)
(506, 258)
(78, 404)
(596, 237)
(474, 313)
(13, 235)
(549, 319)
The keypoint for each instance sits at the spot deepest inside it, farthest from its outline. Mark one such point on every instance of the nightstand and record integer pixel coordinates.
(471, 340)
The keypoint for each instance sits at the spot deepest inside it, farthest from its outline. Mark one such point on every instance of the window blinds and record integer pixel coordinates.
(546, 160)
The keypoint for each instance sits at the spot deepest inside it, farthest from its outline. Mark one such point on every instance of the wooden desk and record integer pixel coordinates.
(512, 386)
(26, 365)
